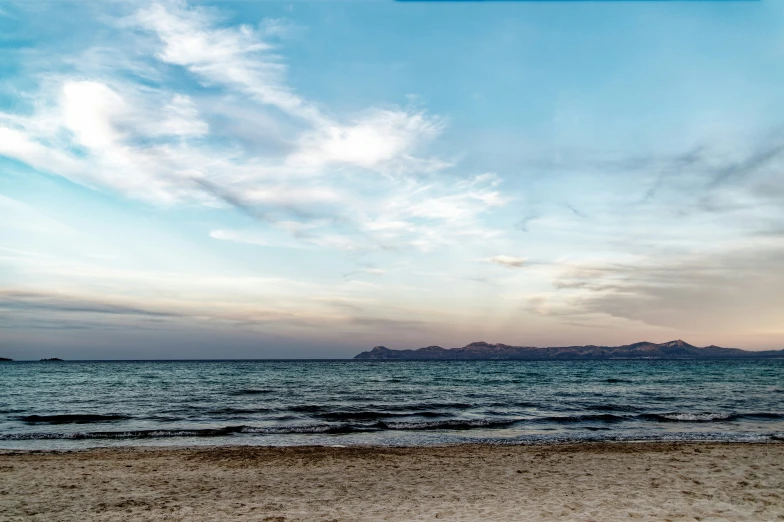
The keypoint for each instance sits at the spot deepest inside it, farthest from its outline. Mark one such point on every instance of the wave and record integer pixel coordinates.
(339, 416)
(763, 415)
(599, 417)
(411, 409)
(690, 417)
(326, 429)
(204, 432)
(357, 421)
(613, 407)
(504, 404)
(251, 391)
(309, 408)
(237, 411)
(131, 434)
(76, 418)
(654, 397)
(498, 421)
(311, 429)
(424, 406)
(12, 410)
(590, 435)
(710, 416)
(660, 417)
(452, 424)
(165, 418)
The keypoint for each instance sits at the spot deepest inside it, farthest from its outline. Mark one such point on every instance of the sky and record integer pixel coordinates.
(310, 179)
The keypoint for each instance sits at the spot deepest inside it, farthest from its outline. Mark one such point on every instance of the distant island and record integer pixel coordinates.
(52, 359)
(642, 350)
(5, 359)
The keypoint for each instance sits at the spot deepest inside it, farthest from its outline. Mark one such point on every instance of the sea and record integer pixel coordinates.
(71, 405)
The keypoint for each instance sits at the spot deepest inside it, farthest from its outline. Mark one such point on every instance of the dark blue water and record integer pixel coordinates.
(81, 404)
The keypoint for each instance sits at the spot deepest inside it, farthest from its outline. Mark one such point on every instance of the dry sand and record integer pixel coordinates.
(573, 482)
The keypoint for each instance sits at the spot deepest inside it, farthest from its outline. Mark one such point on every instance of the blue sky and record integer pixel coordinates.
(309, 179)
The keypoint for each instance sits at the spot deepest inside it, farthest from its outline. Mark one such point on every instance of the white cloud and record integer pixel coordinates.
(88, 110)
(508, 261)
(378, 137)
(99, 135)
(235, 57)
(292, 194)
(354, 182)
(181, 118)
(17, 144)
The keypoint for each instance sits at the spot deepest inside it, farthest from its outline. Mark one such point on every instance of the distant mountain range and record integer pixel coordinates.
(643, 350)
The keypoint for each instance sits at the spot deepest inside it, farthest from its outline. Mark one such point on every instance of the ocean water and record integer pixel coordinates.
(86, 404)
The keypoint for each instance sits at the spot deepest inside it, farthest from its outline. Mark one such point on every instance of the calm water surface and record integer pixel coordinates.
(84, 404)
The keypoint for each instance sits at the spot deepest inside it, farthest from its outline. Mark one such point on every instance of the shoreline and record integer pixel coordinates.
(661, 480)
(184, 438)
(500, 443)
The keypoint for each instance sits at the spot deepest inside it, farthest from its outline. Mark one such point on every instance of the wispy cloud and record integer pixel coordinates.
(699, 292)
(508, 261)
(151, 142)
(233, 57)
(14, 300)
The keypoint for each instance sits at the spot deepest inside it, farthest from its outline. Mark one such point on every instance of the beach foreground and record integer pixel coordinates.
(608, 481)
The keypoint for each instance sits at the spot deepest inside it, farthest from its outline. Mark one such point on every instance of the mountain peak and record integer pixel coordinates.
(479, 344)
(679, 343)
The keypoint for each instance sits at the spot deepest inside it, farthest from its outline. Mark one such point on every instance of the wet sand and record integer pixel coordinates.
(581, 482)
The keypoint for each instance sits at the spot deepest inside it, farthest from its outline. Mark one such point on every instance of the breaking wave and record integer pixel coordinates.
(710, 417)
(348, 427)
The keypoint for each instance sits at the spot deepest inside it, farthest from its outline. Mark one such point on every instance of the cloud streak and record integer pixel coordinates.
(508, 261)
(11, 300)
(234, 57)
(703, 293)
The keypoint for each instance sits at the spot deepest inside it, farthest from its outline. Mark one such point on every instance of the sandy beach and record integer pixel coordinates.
(599, 482)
